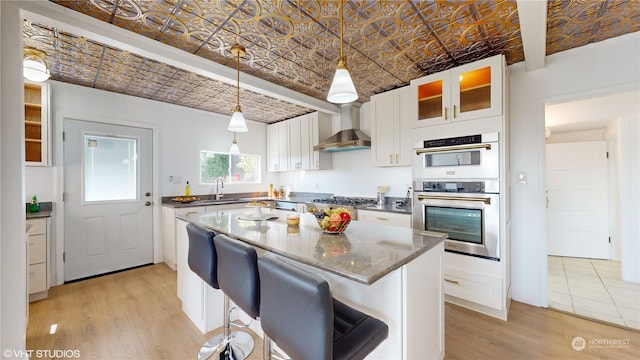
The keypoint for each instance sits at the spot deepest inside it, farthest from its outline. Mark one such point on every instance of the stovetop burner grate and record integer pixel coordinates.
(344, 201)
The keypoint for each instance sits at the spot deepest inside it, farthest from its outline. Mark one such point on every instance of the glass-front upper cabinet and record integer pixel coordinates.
(467, 92)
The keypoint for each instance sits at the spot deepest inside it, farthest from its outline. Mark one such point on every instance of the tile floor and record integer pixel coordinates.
(593, 288)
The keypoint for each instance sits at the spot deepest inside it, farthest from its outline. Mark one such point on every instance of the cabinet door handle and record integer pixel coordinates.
(397, 161)
(189, 213)
(452, 281)
(382, 219)
(390, 158)
(446, 113)
(454, 111)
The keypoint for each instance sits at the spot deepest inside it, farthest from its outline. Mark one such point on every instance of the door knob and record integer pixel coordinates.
(147, 203)
(147, 194)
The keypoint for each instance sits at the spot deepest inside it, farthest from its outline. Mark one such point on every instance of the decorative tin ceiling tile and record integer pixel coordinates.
(295, 43)
(574, 23)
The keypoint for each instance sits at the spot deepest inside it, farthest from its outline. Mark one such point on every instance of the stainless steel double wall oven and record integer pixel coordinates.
(457, 191)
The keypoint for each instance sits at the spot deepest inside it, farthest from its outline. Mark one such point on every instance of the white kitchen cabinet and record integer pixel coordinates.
(202, 303)
(290, 143)
(169, 231)
(470, 91)
(382, 217)
(476, 284)
(390, 132)
(299, 157)
(36, 124)
(38, 273)
(278, 146)
(319, 129)
(172, 235)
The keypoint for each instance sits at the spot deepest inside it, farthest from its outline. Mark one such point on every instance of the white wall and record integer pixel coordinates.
(13, 249)
(351, 175)
(592, 70)
(629, 154)
(181, 132)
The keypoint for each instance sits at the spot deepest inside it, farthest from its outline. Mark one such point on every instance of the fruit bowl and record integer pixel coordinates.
(332, 220)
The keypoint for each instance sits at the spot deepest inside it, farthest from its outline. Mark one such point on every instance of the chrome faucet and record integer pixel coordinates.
(219, 185)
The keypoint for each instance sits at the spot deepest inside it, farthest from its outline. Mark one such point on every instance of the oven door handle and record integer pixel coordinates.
(485, 200)
(453, 148)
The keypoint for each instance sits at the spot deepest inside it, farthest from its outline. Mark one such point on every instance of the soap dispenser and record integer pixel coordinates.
(34, 206)
(187, 190)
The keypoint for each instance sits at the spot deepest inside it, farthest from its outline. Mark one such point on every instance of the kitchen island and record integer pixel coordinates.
(392, 273)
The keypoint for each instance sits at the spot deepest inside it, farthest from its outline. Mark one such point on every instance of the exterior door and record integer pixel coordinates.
(108, 213)
(577, 200)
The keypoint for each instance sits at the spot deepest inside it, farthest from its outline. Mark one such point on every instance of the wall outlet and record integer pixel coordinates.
(175, 179)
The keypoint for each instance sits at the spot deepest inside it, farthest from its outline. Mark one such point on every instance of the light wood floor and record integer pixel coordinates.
(136, 315)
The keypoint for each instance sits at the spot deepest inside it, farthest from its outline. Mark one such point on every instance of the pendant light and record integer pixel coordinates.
(234, 150)
(237, 123)
(342, 89)
(34, 66)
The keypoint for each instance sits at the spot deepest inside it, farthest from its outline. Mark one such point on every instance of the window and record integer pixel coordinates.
(110, 168)
(231, 168)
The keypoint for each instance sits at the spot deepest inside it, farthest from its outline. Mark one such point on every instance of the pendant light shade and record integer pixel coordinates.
(234, 150)
(237, 123)
(342, 89)
(34, 66)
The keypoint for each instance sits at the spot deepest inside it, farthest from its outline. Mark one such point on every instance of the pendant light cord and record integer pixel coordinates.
(341, 28)
(238, 77)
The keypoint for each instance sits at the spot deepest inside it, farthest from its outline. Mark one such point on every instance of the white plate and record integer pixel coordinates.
(251, 217)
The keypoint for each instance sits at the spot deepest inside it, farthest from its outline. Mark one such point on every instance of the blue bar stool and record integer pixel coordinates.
(299, 314)
(203, 261)
(238, 279)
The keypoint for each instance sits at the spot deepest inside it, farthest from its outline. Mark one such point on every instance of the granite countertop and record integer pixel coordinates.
(303, 198)
(365, 252)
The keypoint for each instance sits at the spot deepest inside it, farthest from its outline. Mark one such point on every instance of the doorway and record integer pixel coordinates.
(585, 278)
(107, 192)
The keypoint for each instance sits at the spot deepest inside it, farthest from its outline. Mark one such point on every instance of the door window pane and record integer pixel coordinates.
(110, 168)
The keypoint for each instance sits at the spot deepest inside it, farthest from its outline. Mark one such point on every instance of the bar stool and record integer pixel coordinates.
(238, 279)
(202, 260)
(299, 314)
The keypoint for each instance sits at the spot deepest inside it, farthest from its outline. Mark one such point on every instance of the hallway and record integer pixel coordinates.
(593, 288)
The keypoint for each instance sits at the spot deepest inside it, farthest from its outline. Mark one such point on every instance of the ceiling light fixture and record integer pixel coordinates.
(34, 66)
(237, 123)
(234, 150)
(342, 89)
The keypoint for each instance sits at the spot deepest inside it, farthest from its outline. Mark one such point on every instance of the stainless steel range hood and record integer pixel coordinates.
(350, 137)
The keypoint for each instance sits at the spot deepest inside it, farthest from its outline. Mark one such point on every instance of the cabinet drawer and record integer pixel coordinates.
(480, 289)
(37, 278)
(387, 218)
(38, 226)
(37, 249)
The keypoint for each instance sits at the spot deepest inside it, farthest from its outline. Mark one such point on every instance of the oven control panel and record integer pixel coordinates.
(454, 186)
